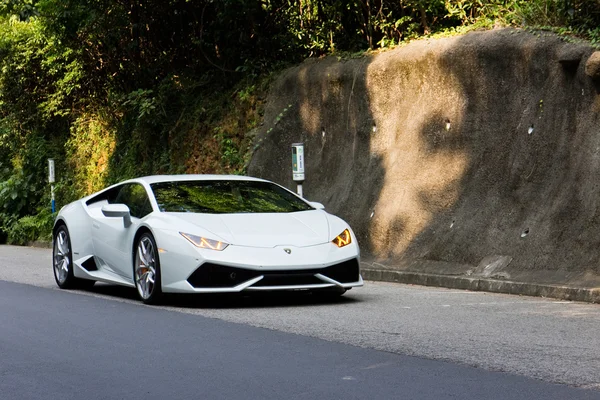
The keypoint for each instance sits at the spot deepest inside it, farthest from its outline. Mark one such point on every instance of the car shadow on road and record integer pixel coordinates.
(231, 300)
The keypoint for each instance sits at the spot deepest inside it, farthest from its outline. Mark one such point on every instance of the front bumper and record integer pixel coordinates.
(187, 269)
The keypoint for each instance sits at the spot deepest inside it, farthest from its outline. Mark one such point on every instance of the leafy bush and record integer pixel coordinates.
(31, 228)
(16, 192)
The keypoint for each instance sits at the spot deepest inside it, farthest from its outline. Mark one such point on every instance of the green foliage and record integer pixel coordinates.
(114, 89)
(30, 228)
(16, 191)
(87, 151)
(231, 159)
(22, 9)
(20, 188)
(142, 101)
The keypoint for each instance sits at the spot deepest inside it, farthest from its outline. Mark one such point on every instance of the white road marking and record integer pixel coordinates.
(385, 364)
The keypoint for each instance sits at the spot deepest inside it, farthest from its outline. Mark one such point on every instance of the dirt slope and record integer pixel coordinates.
(472, 155)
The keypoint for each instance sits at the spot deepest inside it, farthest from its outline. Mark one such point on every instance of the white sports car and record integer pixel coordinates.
(203, 234)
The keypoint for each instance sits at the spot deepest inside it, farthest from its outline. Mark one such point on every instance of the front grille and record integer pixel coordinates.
(289, 279)
(210, 275)
(219, 276)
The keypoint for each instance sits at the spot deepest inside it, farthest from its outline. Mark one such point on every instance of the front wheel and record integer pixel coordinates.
(147, 270)
(62, 262)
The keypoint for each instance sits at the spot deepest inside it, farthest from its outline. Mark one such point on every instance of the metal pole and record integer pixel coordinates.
(52, 196)
(51, 181)
(300, 190)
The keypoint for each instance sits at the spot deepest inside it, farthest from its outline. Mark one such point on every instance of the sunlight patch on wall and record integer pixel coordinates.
(308, 111)
(418, 118)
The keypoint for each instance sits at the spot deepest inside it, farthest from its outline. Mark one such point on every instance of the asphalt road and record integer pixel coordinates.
(104, 344)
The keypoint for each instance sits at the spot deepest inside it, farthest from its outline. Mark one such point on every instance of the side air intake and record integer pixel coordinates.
(90, 264)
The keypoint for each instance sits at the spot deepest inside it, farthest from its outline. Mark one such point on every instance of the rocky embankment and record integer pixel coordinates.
(470, 156)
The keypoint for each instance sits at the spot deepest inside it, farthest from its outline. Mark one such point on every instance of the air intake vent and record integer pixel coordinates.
(90, 264)
(291, 278)
(210, 275)
(220, 276)
(345, 272)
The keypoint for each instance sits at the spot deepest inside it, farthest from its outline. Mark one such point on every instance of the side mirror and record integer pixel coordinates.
(117, 211)
(317, 205)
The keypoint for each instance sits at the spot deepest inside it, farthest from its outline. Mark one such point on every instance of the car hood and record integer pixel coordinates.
(300, 229)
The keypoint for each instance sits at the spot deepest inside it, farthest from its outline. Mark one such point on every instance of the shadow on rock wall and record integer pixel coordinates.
(528, 193)
(324, 105)
(449, 154)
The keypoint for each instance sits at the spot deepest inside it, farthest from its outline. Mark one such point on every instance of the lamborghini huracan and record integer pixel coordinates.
(203, 234)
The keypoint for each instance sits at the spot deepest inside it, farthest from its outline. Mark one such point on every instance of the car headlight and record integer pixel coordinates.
(343, 239)
(205, 243)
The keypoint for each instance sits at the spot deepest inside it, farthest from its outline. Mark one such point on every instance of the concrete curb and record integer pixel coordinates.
(589, 295)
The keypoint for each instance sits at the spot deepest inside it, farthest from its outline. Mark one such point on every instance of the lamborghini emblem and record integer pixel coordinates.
(289, 251)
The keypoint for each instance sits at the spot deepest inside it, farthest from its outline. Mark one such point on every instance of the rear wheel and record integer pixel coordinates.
(147, 270)
(62, 261)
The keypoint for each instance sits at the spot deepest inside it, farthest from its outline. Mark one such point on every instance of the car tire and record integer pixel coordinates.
(146, 270)
(62, 262)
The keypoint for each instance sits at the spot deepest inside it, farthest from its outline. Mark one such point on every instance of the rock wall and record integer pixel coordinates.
(478, 154)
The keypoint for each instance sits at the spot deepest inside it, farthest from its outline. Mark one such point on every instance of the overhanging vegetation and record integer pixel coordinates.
(119, 88)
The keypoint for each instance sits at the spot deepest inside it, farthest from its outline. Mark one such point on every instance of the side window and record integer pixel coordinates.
(134, 196)
(109, 196)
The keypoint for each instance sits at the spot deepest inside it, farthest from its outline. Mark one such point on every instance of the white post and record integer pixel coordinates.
(51, 181)
(298, 165)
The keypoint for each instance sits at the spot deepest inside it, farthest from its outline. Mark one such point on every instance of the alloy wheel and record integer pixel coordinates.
(145, 267)
(62, 260)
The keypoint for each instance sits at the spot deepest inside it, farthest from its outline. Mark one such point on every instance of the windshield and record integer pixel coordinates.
(225, 196)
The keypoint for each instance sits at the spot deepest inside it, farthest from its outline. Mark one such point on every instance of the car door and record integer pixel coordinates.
(112, 239)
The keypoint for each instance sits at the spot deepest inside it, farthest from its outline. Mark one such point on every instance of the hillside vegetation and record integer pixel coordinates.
(113, 89)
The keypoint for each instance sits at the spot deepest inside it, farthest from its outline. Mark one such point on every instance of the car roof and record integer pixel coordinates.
(192, 177)
(176, 178)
